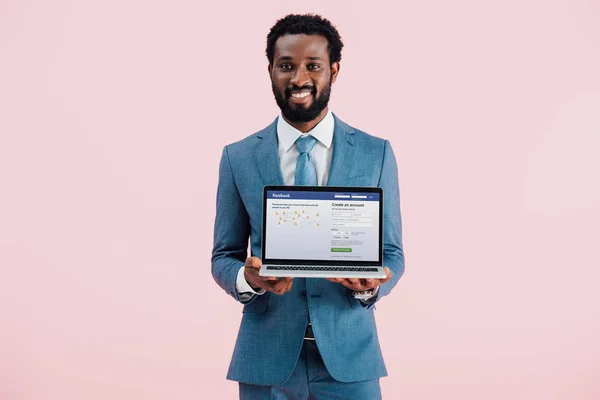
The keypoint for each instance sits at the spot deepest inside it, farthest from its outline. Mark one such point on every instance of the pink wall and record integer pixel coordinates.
(112, 118)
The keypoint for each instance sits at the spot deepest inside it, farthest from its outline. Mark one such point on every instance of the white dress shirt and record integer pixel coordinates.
(288, 155)
(320, 154)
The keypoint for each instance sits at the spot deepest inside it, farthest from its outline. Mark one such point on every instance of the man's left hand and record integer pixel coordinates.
(359, 285)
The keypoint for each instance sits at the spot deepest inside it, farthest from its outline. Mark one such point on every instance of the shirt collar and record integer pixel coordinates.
(323, 132)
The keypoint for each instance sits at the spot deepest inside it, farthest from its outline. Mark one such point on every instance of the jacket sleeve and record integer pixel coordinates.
(231, 231)
(393, 254)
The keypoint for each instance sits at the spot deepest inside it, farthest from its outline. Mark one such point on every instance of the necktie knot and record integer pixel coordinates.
(305, 144)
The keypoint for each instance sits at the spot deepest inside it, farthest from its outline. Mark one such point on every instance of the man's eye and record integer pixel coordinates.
(313, 66)
(285, 66)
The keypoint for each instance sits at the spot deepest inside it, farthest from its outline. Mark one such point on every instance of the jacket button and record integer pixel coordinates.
(303, 294)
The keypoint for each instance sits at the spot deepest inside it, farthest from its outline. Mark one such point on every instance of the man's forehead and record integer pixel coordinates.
(302, 46)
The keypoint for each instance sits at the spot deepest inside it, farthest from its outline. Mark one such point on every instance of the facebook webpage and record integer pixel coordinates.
(322, 226)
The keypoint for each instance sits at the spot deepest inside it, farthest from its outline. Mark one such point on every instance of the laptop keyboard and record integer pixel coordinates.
(306, 268)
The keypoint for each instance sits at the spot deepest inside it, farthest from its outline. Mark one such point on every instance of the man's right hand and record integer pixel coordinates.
(269, 283)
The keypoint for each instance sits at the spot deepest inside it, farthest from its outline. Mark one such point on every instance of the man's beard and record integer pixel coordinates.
(302, 114)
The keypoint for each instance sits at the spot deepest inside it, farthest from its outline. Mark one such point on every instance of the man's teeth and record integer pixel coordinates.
(300, 95)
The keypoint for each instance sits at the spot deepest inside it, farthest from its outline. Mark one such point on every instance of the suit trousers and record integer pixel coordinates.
(311, 381)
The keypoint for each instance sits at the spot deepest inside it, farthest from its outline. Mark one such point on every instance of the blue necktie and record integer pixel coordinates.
(306, 175)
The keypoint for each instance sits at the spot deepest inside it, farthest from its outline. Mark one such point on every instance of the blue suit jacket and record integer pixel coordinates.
(272, 329)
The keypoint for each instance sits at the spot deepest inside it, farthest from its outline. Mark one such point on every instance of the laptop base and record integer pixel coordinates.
(318, 271)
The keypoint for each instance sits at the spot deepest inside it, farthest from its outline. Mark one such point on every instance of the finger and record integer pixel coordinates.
(253, 262)
(369, 283)
(280, 285)
(283, 280)
(272, 287)
(289, 285)
(273, 290)
(361, 285)
(347, 284)
(356, 284)
(283, 286)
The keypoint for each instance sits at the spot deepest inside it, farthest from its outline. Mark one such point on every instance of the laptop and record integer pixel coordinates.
(322, 232)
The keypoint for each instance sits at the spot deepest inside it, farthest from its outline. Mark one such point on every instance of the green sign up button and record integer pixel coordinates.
(341, 250)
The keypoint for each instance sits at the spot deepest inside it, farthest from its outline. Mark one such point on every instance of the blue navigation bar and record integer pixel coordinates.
(341, 196)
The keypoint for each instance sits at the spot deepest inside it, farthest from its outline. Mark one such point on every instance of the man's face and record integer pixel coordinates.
(301, 76)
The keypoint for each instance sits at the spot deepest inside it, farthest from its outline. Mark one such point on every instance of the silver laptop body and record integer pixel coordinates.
(322, 232)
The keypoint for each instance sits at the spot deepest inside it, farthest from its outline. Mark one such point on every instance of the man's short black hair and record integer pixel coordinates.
(308, 24)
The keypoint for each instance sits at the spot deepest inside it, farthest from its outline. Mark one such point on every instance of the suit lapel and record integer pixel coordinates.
(342, 160)
(266, 157)
(343, 157)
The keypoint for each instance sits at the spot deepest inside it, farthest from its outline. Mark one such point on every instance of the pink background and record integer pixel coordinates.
(113, 115)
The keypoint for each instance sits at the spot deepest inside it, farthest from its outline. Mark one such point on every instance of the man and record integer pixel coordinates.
(303, 338)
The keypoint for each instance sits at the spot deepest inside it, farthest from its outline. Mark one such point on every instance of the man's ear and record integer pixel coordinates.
(270, 68)
(335, 70)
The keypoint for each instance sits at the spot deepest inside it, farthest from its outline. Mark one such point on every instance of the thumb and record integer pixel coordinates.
(388, 275)
(253, 262)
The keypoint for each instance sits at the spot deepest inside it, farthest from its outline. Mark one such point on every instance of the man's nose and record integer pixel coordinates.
(300, 77)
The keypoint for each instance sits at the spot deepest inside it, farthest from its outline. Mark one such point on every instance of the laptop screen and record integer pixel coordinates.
(322, 225)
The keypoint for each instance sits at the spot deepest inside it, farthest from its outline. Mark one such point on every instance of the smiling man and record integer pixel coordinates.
(299, 338)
